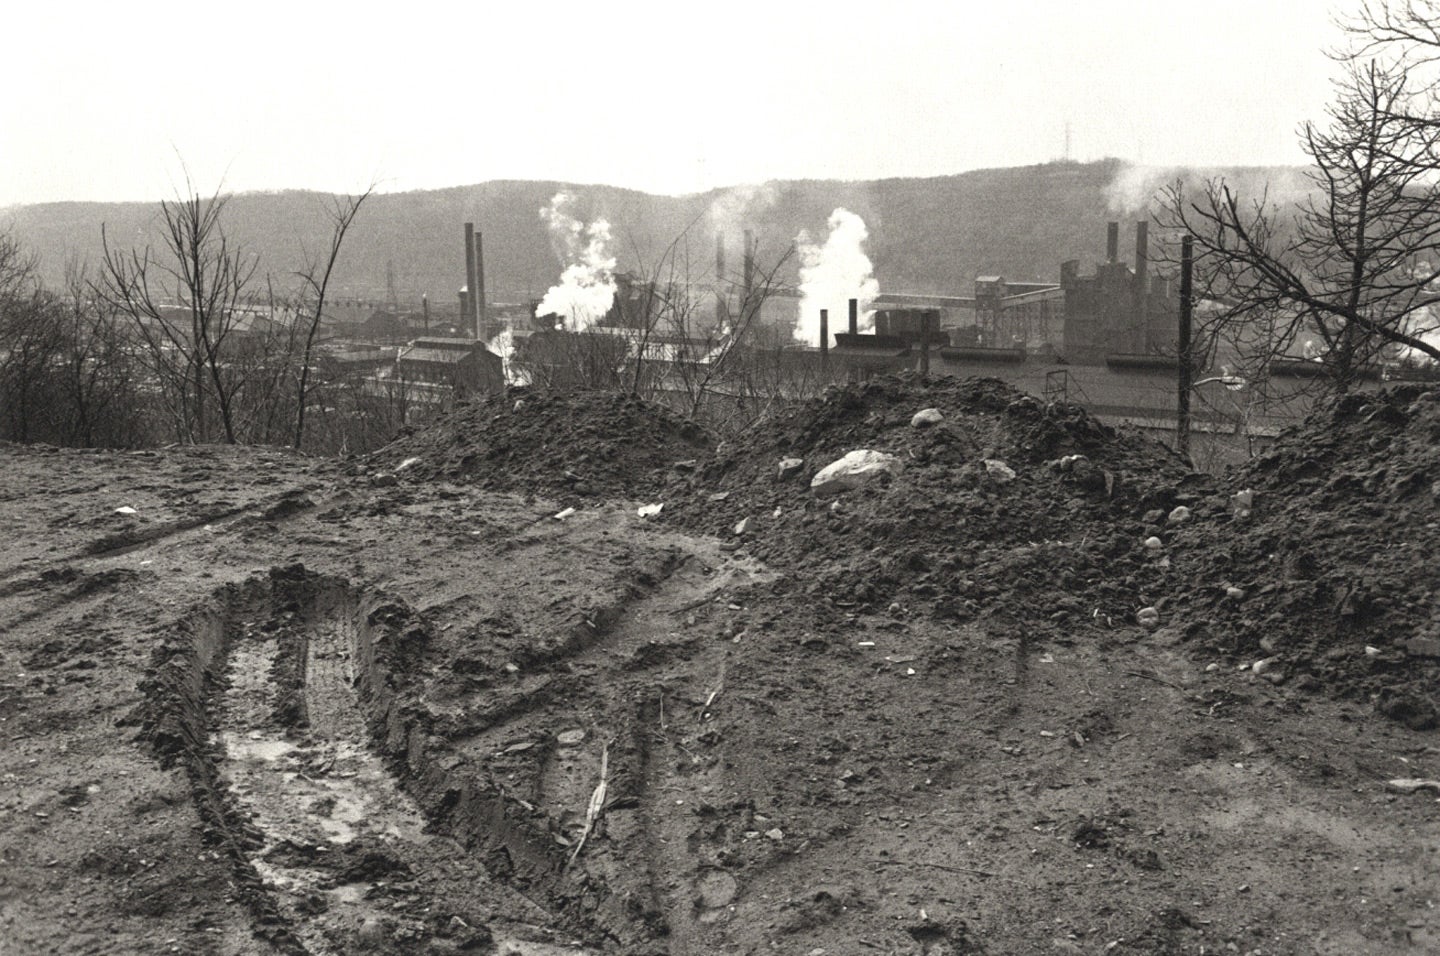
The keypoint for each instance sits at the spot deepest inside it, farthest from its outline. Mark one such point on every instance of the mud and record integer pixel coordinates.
(425, 716)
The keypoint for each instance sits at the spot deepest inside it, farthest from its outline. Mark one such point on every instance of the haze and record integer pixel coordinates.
(120, 102)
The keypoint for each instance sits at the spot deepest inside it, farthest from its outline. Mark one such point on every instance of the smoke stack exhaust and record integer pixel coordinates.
(467, 304)
(1142, 256)
(1112, 242)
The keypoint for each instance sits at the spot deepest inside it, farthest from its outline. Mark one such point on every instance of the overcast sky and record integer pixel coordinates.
(107, 102)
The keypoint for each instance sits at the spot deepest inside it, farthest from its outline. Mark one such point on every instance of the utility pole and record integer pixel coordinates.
(1182, 414)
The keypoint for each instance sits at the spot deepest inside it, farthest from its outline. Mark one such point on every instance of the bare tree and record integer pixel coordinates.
(315, 278)
(184, 304)
(1355, 264)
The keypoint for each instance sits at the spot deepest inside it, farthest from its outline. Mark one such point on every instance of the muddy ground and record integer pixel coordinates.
(299, 706)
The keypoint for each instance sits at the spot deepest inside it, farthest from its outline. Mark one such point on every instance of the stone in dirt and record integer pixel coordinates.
(858, 468)
(926, 417)
(999, 471)
(788, 467)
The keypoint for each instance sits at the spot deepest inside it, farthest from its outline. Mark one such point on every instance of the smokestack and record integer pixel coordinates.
(824, 337)
(479, 285)
(467, 305)
(1142, 256)
(425, 306)
(1112, 242)
(854, 316)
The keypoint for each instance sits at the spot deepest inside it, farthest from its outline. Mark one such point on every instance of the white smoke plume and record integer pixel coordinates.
(1136, 189)
(731, 211)
(586, 289)
(832, 274)
(503, 345)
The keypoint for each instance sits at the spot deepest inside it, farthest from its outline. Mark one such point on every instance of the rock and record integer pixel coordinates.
(788, 467)
(685, 467)
(742, 526)
(1264, 664)
(1234, 593)
(1147, 616)
(775, 834)
(1153, 543)
(1180, 515)
(648, 511)
(384, 481)
(999, 471)
(569, 738)
(926, 417)
(857, 468)
(716, 889)
(1242, 502)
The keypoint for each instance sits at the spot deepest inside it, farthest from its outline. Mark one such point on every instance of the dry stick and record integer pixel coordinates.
(597, 803)
(1158, 680)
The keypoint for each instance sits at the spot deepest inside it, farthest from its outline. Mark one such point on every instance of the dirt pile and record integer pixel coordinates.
(586, 444)
(1330, 577)
(1005, 506)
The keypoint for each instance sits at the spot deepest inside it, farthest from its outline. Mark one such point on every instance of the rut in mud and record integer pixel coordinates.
(273, 698)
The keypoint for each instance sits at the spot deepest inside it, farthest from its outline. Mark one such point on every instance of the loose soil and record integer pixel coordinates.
(300, 706)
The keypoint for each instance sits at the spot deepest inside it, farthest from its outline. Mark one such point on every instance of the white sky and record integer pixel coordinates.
(105, 100)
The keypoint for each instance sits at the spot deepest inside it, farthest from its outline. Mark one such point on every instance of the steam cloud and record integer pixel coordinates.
(503, 345)
(833, 273)
(1134, 188)
(586, 289)
(730, 211)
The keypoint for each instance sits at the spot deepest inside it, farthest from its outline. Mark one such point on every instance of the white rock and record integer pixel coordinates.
(1234, 593)
(999, 471)
(1264, 664)
(1180, 515)
(788, 467)
(1148, 616)
(647, 511)
(1153, 543)
(857, 468)
(742, 526)
(125, 510)
(926, 417)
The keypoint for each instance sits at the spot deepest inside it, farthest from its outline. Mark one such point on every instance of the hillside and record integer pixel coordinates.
(927, 235)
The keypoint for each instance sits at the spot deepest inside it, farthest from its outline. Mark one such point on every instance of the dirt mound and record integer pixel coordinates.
(1005, 506)
(592, 444)
(1330, 577)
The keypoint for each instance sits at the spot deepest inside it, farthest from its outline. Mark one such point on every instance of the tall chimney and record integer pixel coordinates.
(854, 316)
(425, 305)
(1142, 256)
(479, 286)
(1112, 242)
(467, 305)
(824, 337)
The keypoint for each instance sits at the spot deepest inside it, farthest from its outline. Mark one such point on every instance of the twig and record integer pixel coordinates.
(597, 803)
(1158, 680)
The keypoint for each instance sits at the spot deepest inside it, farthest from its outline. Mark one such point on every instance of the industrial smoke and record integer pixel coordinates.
(833, 273)
(586, 289)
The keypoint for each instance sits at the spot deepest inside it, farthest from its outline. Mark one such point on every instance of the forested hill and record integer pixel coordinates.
(926, 235)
